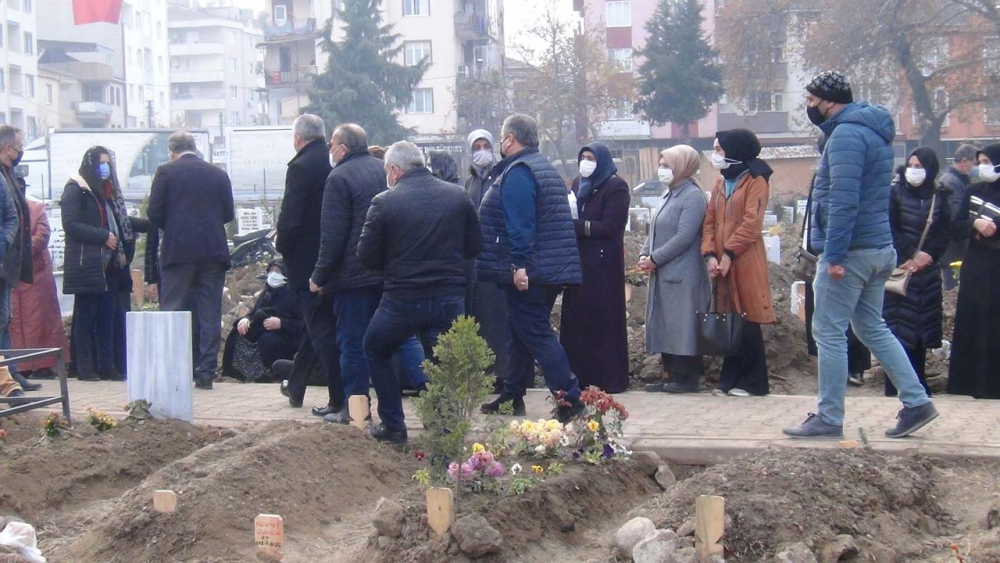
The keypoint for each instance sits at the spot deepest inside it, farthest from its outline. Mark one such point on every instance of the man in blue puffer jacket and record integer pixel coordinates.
(529, 249)
(850, 230)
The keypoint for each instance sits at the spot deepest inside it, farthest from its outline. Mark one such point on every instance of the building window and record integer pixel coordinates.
(234, 92)
(622, 59)
(621, 110)
(159, 64)
(991, 54)
(29, 44)
(231, 37)
(1, 37)
(3, 118)
(27, 6)
(232, 65)
(993, 112)
(14, 37)
(131, 92)
(416, 51)
(416, 7)
(163, 101)
(234, 118)
(619, 13)
(32, 128)
(159, 30)
(422, 102)
(280, 14)
(48, 94)
(29, 82)
(3, 80)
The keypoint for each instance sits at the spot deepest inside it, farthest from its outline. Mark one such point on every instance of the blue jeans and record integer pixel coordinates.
(354, 309)
(856, 300)
(532, 338)
(395, 323)
(6, 316)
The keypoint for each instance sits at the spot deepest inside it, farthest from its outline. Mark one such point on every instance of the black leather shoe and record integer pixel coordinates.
(328, 409)
(111, 374)
(88, 377)
(494, 407)
(383, 434)
(203, 383)
(566, 414)
(19, 397)
(25, 384)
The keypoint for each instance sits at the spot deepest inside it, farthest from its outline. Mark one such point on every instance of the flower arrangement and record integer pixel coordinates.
(480, 471)
(53, 426)
(100, 420)
(541, 438)
(602, 426)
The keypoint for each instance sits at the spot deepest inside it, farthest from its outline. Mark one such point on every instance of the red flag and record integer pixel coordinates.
(94, 11)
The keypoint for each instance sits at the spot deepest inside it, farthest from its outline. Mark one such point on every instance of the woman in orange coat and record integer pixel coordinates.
(37, 320)
(734, 252)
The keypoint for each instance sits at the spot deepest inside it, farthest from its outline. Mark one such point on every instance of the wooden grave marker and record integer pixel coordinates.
(269, 535)
(359, 410)
(165, 501)
(848, 444)
(440, 510)
(709, 525)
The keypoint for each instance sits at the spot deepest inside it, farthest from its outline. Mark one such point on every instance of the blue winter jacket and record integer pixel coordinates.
(851, 195)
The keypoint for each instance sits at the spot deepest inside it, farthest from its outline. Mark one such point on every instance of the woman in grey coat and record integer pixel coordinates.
(678, 284)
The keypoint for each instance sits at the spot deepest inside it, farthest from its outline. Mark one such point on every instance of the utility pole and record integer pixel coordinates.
(222, 124)
(149, 113)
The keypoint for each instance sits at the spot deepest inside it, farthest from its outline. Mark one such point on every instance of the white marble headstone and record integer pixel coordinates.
(159, 362)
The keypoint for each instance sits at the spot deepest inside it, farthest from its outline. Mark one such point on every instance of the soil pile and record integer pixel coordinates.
(312, 474)
(779, 497)
(555, 521)
(42, 476)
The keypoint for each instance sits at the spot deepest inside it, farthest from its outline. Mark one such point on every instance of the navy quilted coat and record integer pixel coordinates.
(555, 259)
(851, 197)
(915, 318)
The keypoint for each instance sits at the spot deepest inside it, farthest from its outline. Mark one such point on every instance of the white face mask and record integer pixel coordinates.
(665, 175)
(915, 176)
(587, 168)
(482, 158)
(333, 163)
(719, 161)
(988, 173)
(276, 280)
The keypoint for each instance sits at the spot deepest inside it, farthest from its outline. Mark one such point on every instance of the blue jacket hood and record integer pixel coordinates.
(874, 117)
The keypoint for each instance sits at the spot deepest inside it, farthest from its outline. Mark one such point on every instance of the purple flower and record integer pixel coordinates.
(495, 470)
(467, 471)
(608, 452)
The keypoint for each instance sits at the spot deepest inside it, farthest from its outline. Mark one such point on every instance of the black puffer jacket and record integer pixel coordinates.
(420, 234)
(349, 191)
(86, 235)
(915, 318)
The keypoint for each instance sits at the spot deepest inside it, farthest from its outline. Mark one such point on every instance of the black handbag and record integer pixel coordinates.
(720, 334)
(804, 267)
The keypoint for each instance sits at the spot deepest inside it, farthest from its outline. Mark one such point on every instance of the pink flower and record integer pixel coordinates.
(467, 471)
(495, 470)
(453, 471)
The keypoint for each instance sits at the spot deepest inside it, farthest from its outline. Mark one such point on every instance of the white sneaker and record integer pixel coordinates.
(718, 392)
(737, 392)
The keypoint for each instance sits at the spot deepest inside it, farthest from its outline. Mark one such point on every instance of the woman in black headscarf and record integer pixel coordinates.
(593, 329)
(915, 199)
(444, 167)
(734, 253)
(975, 355)
(93, 262)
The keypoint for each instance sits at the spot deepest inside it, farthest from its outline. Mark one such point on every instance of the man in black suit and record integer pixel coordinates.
(298, 243)
(191, 201)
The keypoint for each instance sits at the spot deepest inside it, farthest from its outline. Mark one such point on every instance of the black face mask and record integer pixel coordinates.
(17, 159)
(815, 115)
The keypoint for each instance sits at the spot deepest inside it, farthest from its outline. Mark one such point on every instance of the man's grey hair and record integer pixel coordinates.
(8, 135)
(966, 152)
(309, 127)
(404, 155)
(181, 142)
(524, 128)
(352, 136)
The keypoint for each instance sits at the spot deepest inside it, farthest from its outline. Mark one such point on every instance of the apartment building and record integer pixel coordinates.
(216, 70)
(136, 49)
(78, 94)
(19, 91)
(458, 38)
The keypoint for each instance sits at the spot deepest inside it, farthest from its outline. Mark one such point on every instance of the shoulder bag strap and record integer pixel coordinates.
(930, 220)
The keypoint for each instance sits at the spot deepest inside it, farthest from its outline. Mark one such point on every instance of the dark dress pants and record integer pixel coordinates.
(318, 345)
(183, 285)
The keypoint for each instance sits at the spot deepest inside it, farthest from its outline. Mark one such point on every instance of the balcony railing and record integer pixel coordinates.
(470, 25)
(289, 27)
(100, 108)
(301, 75)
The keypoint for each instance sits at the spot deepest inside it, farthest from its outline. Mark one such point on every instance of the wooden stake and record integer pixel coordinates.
(848, 444)
(440, 511)
(359, 409)
(709, 525)
(164, 501)
(269, 535)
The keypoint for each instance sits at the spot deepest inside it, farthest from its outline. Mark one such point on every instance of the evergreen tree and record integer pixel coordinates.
(362, 82)
(679, 80)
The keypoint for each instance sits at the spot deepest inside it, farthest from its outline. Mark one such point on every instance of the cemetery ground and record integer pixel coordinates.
(89, 493)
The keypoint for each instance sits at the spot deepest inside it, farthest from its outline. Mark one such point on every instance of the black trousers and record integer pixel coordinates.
(184, 285)
(748, 371)
(682, 369)
(319, 345)
(918, 359)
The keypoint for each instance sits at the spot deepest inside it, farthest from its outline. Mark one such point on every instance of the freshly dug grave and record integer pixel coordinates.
(897, 508)
(41, 477)
(317, 476)
(562, 519)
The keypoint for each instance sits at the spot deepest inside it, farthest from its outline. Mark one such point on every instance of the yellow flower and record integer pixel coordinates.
(538, 469)
(477, 447)
(593, 426)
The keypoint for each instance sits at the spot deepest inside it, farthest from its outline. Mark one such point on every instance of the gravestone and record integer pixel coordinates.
(269, 535)
(159, 362)
(164, 501)
(772, 247)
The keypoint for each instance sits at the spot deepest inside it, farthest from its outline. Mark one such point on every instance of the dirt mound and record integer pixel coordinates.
(554, 522)
(779, 497)
(314, 475)
(43, 476)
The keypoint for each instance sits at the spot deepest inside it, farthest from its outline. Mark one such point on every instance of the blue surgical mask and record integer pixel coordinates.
(105, 170)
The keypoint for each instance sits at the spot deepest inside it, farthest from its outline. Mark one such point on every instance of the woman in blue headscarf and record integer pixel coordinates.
(593, 314)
